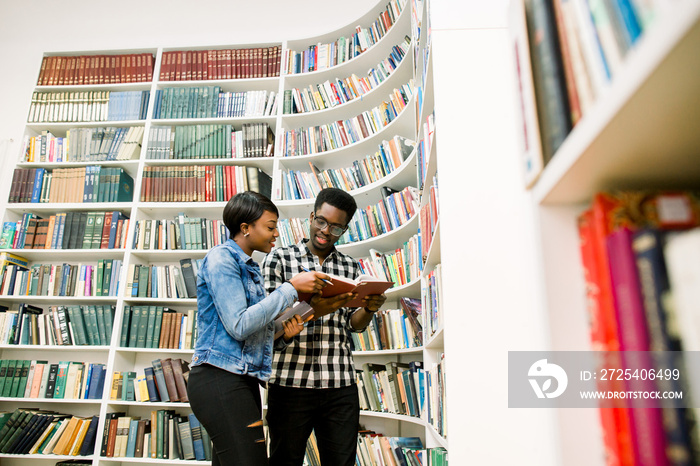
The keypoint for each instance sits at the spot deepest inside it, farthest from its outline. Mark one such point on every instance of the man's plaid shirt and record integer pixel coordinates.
(321, 355)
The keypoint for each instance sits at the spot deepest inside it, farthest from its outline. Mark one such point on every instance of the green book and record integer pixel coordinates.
(89, 230)
(4, 417)
(3, 374)
(134, 327)
(19, 382)
(60, 389)
(99, 277)
(150, 330)
(91, 316)
(10, 424)
(9, 376)
(126, 324)
(81, 327)
(101, 325)
(128, 390)
(142, 328)
(160, 428)
(143, 281)
(157, 327)
(106, 281)
(108, 311)
(36, 273)
(97, 231)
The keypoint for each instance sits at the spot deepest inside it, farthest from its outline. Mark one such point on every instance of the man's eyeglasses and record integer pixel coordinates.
(321, 223)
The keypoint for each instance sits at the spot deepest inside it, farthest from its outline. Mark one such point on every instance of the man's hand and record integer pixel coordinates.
(324, 306)
(372, 303)
(292, 326)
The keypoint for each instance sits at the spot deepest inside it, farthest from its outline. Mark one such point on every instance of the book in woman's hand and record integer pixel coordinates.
(301, 308)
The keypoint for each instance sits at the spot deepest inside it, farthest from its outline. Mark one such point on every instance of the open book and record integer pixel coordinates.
(302, 308)
(364, 285)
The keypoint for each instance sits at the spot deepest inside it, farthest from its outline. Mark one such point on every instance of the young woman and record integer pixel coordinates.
(233, 354)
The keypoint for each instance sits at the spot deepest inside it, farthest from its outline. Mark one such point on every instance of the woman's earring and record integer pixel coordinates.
(246, 234)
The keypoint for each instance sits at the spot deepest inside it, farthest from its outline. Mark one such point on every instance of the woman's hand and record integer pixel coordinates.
(309, 282)
(293, 326)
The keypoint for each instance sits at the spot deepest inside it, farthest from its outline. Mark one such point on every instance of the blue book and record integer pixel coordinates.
(116, 215)
(38, 179)
(131, 442)
(628, 19)
(88, 446)
(197, 441)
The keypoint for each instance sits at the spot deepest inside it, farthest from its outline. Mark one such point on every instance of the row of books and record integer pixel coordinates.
(42, 432)
(93, 183)
(201, 183)
(163, 435)
(431, 296)
(394, 387)
(428, 218)
(424, 148)
(339, 91)
(60, 325)
(323, 56)
(402, 266)
(67, 230)
(393, 328)
(212, 102)
(640, 261)
(181, 233)
(163, 281)
(247, 104)
(157, 327)
(373, 448)
(197, 65)
(575, 49)
(66, 380)
(88, 106)
(436, 404)
(395, 209)
(389, 157)
(317, 139)
(85, 145)
(165, 380)
(293, 230)
(96, 69)
(210, 141)
(62, 279)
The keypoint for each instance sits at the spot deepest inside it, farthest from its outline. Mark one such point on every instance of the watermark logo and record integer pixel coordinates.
(544, 371)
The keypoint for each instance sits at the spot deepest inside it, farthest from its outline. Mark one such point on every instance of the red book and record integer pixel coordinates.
(164, 62)
(104, 244)
(649, 441)
(149, 67)
(188, 65)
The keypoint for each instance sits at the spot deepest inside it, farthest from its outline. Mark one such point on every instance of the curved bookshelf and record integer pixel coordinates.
(404, 175)
(370, 98)
(381, 47)
(382, 242)
(228, 85)
(264, 163)
(401, 125)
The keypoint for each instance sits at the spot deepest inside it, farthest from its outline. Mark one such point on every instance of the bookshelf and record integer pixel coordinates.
(408, 123)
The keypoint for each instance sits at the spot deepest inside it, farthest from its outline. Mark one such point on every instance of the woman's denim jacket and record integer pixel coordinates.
(234, 318)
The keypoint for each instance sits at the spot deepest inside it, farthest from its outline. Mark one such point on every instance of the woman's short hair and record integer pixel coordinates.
(246, 207)
(338, 199)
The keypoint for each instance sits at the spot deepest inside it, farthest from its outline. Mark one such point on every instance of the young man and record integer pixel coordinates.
(313, 379)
